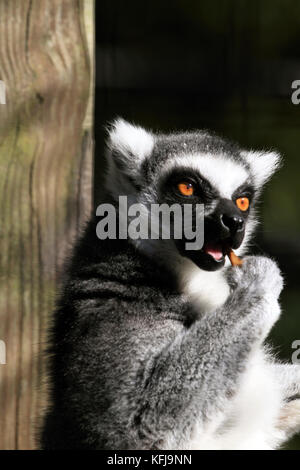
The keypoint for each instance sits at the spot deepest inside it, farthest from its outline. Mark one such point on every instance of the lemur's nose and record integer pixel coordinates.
(234, 223)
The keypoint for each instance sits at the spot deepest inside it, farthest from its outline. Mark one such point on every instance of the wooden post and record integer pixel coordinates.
(46, 63)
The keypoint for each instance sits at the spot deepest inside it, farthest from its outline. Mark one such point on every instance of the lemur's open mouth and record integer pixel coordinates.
(216, 250)
(213, 254)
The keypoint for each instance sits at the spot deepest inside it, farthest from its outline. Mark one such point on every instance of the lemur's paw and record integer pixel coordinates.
(257, 285)
(258, 274)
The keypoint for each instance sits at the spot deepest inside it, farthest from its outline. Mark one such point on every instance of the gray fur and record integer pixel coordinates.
(136, 363)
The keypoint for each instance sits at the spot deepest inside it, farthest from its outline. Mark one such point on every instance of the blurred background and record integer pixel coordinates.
(225, 65)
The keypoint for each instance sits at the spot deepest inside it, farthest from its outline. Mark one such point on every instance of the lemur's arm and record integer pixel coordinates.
(200, 369)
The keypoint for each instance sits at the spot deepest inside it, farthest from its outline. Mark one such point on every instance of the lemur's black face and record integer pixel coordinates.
(225, 218)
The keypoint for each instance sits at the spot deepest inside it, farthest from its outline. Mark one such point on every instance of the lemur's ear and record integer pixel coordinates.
(262, 165)
(129, 145)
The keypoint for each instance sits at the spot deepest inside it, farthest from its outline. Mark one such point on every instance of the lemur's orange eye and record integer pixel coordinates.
(243, 203)
(186, 189)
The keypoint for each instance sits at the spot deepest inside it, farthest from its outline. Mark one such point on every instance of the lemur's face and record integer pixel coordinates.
(226, 190)
(193, 168)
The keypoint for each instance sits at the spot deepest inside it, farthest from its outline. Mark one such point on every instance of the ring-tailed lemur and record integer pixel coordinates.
(154, 347)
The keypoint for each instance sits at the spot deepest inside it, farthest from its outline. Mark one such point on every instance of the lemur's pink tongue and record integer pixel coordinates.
(214, 250)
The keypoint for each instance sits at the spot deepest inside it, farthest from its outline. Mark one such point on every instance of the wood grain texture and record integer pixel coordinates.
(46, 146)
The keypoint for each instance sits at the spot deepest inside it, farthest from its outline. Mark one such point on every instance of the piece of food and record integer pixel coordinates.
(234, 259)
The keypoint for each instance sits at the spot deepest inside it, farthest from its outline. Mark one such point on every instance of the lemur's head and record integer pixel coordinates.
(190, 168)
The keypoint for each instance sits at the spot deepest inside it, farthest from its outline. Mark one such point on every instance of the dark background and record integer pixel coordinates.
(226, 65)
